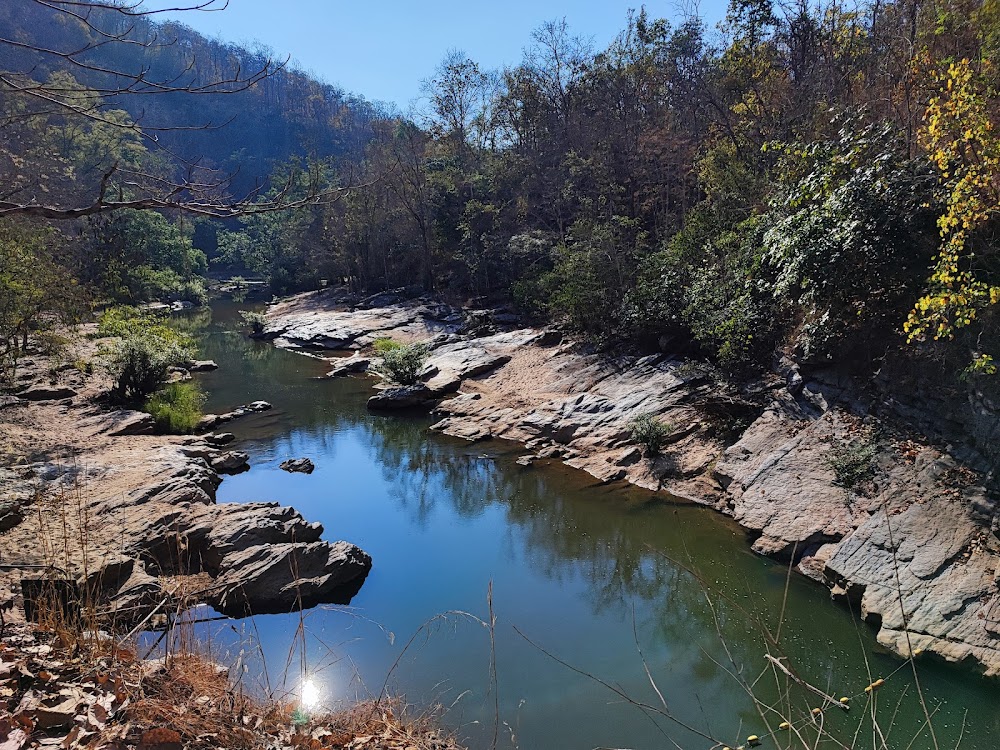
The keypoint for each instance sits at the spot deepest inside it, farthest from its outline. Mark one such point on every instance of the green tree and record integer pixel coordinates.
(37, 293)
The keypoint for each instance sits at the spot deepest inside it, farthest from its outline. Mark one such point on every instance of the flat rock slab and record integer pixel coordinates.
(202, 365)
(46, 393)
(781, 483)
(120, 422)
(319, 321)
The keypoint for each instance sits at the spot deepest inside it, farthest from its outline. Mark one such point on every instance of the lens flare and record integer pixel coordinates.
(310, 694)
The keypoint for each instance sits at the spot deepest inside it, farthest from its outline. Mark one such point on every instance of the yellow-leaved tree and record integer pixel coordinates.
(962, 140)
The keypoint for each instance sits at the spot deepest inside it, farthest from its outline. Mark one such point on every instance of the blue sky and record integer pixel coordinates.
(383, 49)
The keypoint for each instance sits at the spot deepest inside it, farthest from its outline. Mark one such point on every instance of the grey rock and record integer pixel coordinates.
(210, 421)
(121, 422)
(402, 397)
(231, 462)
(260, 579)
(301, 465)
(11, 514)
(220, 438)
(450, 364)
(202, 365)
(46, 393)
(349, 366)
(138, 596)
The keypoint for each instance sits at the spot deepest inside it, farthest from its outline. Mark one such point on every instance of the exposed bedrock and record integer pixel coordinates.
(145, 506)
(762, 452)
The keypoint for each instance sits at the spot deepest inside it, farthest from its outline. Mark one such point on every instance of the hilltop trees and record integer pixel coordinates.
(805, 179)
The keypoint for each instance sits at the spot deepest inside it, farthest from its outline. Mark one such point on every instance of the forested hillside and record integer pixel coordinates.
(819, 180)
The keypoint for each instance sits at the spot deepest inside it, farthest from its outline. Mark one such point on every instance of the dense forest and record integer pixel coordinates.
(817, 179)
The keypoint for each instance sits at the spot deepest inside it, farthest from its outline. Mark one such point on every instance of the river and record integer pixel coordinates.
(590, 585)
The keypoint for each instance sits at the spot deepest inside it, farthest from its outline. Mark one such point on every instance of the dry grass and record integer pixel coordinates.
(97, 694)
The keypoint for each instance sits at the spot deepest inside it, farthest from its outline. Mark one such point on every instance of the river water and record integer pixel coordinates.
(591, 586)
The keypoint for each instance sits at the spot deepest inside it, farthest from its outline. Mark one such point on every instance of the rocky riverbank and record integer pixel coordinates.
(912, 541)
(90, 495)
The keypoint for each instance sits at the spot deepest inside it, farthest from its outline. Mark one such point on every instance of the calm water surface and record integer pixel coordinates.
(601, 578)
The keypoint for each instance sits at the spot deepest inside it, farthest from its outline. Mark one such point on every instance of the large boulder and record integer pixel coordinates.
(273, 578)
(390, 398)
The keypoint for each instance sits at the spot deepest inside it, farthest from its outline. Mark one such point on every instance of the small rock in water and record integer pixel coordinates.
(300, 465)
(220, 438)
(202, 365)
(348, 365)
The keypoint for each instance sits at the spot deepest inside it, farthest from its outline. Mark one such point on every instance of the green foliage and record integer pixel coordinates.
(649, 432)
(177, 408)
(590, 276)
(37, 292)
(138, 360)
(256, 320)
(121, 320)
(287, 247)
(141, 256)
(384, 345)
(960, 135)
(851, 236)
(853, 461)
(401, 363)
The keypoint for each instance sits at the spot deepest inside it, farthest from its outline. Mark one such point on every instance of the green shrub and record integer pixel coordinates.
(177, 408)
(401, 363)
(137, 362)
(121, 320)
(853, 461)
(256, 320)
(385, 344)
(649, 432)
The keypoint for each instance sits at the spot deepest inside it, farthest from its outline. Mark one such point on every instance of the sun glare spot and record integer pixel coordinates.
(310, 694)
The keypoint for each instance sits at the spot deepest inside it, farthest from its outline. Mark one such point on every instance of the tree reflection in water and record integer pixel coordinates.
(574, 565)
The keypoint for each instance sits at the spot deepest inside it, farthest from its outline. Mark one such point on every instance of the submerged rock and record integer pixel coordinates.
(210, 421)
